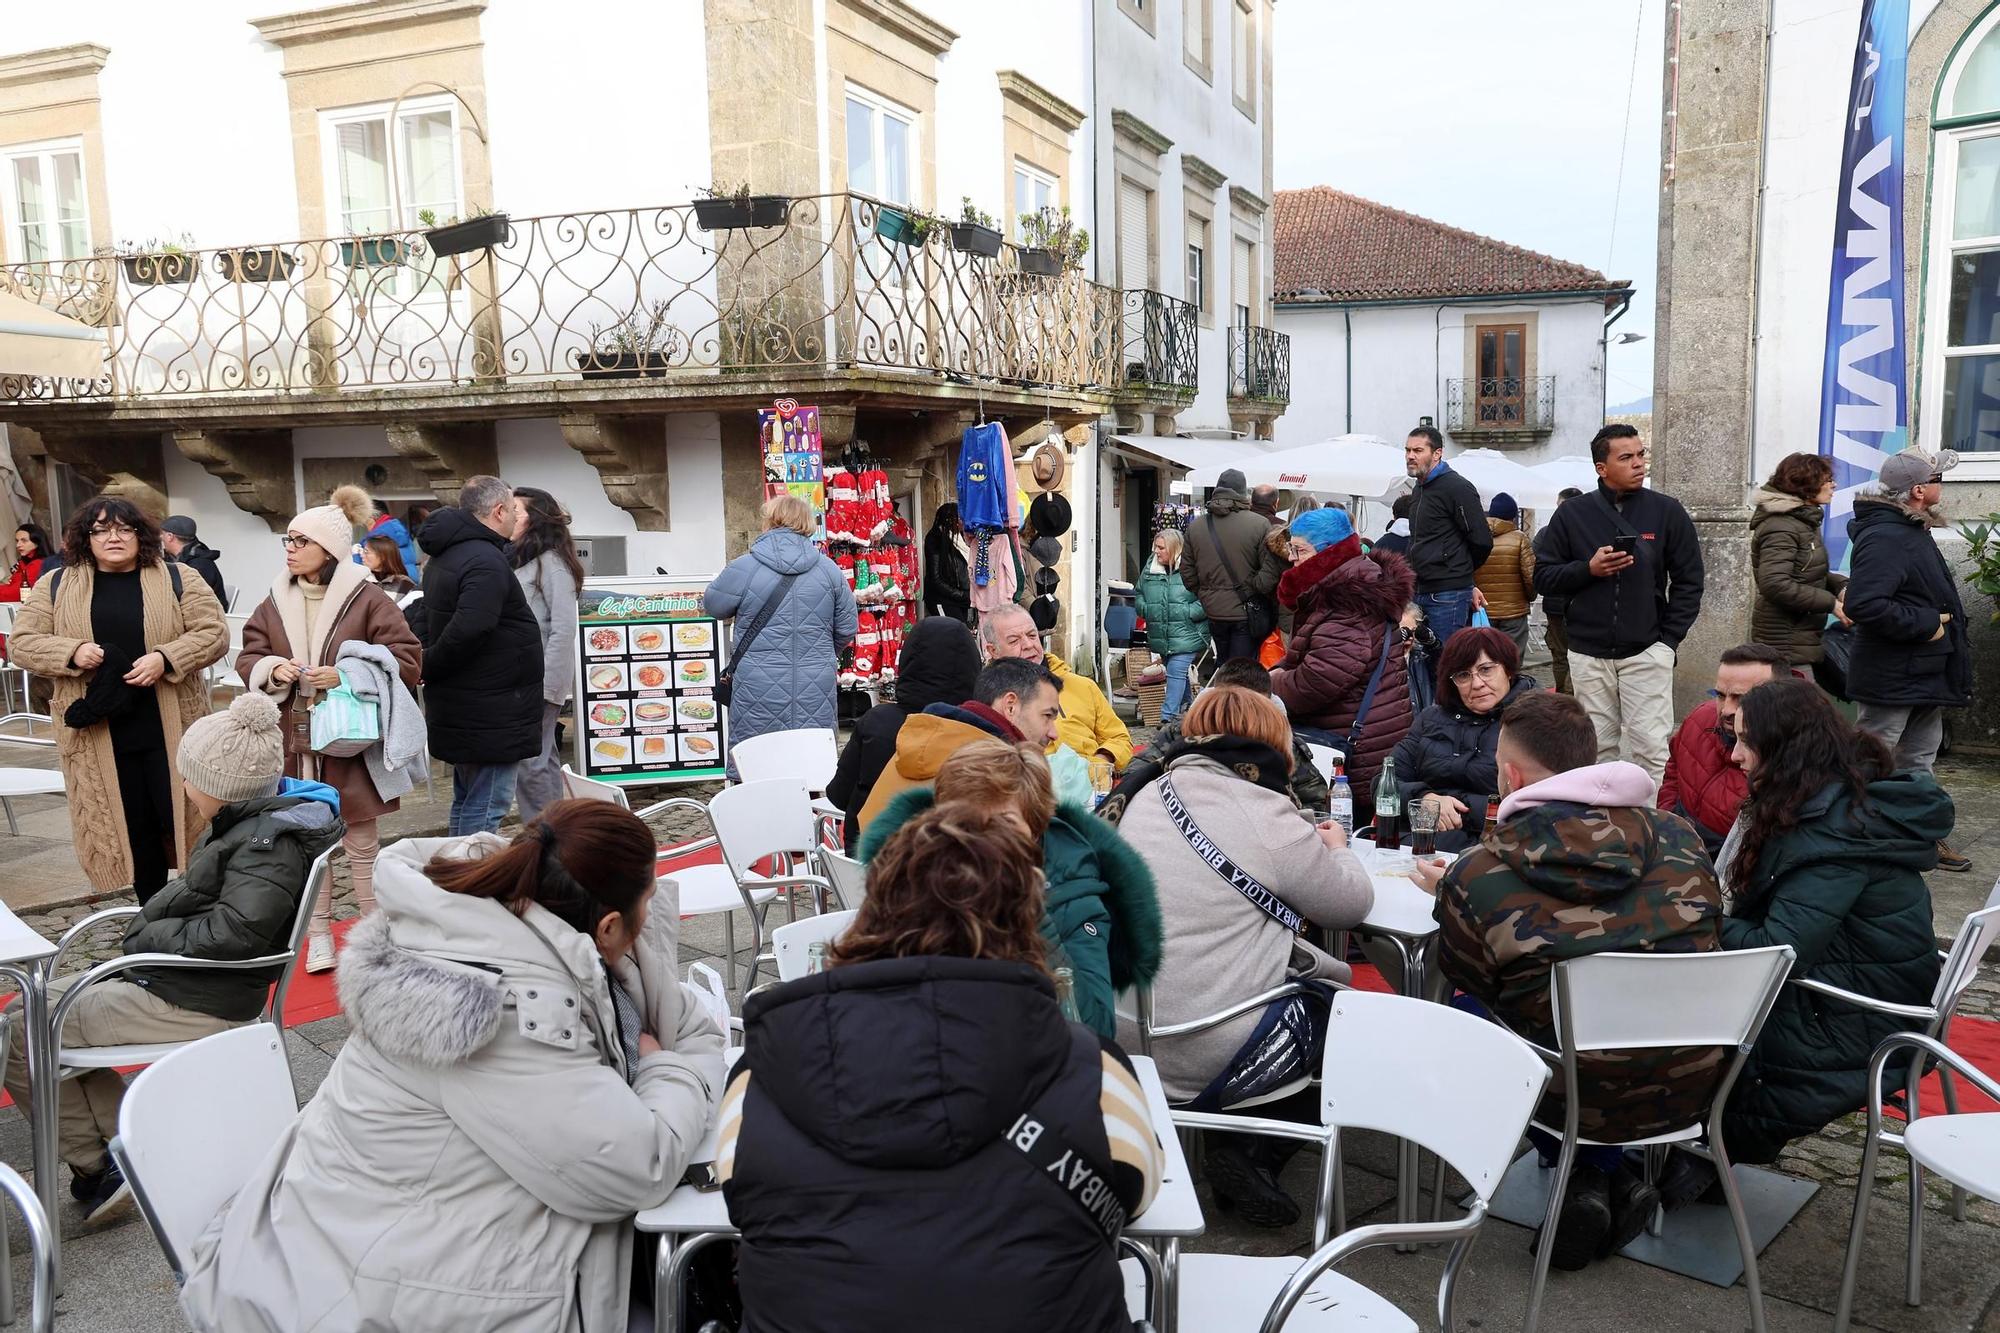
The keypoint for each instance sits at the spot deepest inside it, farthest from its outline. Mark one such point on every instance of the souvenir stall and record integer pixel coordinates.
(875, 549)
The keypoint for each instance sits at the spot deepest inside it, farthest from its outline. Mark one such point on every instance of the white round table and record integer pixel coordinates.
(26, 782)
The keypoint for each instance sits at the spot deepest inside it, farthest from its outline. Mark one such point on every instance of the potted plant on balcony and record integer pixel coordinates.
(479, 229)
(1051, 242)
(151, 262)
(256, 263)
(975, 233)
(721, 209)
(904, 226)
(371, 251)
(642, 343)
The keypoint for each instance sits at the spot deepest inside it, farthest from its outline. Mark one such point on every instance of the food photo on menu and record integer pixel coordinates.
(649, 676)
(605, 641)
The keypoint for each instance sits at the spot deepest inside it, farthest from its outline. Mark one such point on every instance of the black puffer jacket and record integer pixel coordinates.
(947, 580)
(1449, 750)
(201, 558)
(237, 899)
(1898, 585)
(939, 662)
(482, 647)
(870, 1176)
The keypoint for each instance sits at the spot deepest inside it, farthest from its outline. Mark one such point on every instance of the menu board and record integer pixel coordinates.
(647, 660)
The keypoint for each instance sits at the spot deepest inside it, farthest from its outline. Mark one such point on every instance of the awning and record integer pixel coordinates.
(1181, 452)
(35, 340)
(1363, 465)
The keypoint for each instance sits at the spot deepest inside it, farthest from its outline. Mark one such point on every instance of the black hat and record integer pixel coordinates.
(1046, 579)
(1044, 610)
(1049, 513)
(180, 525)
(1046, 550)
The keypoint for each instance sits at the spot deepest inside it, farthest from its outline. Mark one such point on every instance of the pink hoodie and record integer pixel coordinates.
(1612, 784)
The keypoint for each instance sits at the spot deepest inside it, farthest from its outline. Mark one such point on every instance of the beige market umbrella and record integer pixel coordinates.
(37, 341)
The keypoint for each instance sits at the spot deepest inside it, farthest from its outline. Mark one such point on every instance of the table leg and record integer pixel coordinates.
(663, 1291)
(1170, 1261)
(8, 806)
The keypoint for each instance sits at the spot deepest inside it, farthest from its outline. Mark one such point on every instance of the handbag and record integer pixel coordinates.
(725, 684)
(1259, 617)
(343, 723)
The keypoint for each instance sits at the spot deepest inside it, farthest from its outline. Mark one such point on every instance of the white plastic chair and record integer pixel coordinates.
(808, 754)
(1466, 1061)
(1933, 1022)
(706, 982)
(195, 1125)
(580, 788)
(848, 877)
(12, 677)
(222, 671)
(791, 944)
(1647, 1001)
(754, 822)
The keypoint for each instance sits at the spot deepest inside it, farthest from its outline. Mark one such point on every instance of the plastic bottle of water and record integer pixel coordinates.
(1342, 805)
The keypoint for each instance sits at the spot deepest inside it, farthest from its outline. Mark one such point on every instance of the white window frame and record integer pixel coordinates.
(880, 107)
(1243, 56)
(47, 150)
(330, 122)
(1195, 275)
(1035, 176)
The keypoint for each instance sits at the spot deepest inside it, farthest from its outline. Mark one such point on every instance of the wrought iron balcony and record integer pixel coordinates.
(1160, 346)
(831, 282)
(1260, 364)
(1514, 404)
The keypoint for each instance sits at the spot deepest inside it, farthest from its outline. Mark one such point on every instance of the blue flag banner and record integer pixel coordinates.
(1864, 394)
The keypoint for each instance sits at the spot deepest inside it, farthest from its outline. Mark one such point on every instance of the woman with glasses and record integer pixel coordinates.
(1796, 587)
(322, 606)
(126, 636)
(1447, 759)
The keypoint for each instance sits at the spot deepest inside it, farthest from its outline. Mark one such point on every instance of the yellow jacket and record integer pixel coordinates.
(1088, 722)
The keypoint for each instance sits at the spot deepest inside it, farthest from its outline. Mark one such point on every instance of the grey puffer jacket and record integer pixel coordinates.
(786, 679)
(238, 898)
(475, 1157)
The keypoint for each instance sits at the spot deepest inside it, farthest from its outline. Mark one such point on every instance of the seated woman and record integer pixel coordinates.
(1225, 793)
(1446, 760)
(1100, 914)
(867, 1148)
(524, 1075)
(1829, 857)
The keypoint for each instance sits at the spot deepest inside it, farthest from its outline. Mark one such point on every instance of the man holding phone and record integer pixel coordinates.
(1627, 562)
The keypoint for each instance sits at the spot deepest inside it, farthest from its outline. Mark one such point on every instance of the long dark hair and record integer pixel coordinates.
(945, 520)
(109, 509)
(583, 860)
(1802, 745)
(44, 548)
(548, 530)
(391, 556)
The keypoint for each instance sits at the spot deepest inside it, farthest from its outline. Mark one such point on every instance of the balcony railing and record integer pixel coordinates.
(1160, 346)
(1516, 403)
(1260, 363)
(615, 294)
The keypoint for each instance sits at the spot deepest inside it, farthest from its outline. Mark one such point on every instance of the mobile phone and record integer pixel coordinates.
(1626, 543)
(702, 1176)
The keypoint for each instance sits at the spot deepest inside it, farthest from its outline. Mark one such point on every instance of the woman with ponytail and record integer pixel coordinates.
(524, 1075)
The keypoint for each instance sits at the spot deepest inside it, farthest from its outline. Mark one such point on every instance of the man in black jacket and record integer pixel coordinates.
(1629, 564)
(178, 540)
(1449, 536)
(482, 655)
(1911, 655)
(1224, 557)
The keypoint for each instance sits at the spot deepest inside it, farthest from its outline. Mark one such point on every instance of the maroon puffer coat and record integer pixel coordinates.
(1343, 602)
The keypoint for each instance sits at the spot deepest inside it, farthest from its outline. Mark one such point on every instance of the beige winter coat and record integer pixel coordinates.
(190, 633)
(475, 1157)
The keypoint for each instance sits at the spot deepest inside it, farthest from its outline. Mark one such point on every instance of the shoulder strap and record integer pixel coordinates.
(1617, 519)
(55, 585)
(1228, 564)
(1078, 1174)
(758, 621)
(1368, 695)
(1235, 876)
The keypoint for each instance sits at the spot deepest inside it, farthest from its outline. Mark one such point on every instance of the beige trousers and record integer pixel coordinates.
(1631, 704)
(111, 1013)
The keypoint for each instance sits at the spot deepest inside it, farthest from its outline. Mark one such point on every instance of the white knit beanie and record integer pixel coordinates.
(332, 525)
(237, 754)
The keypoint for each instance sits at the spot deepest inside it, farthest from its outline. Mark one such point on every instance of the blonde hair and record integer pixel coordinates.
(1172, 537)
(788, 511)
(997, 775)
(1231, 710)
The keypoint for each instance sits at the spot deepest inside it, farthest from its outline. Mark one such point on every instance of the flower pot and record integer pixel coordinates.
(973, 239)
(731, 213)
(262, 263)
(623, 365)
(1042, 263)
(472, 234)
(371, 252)
(153, 269)
(895, 225)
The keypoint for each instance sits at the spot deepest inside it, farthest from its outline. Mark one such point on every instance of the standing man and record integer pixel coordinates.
(1449, 539)
(1264, 500)
(177, 539)
(1628, 562)
(1089, 726)
(1911, 655)
(482, 655)
(1225, 563)
(1703, 784)
(1507, 579)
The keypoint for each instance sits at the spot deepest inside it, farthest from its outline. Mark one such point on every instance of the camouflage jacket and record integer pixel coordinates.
(1562, 881)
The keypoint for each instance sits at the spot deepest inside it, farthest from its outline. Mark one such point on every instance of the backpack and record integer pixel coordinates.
(55, 582)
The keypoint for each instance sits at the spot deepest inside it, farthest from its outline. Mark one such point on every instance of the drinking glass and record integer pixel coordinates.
(1423, 828)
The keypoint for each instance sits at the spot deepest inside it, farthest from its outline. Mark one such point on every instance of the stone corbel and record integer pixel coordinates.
(255, 466)
(446, 454)
(630, 455)
(123, 465)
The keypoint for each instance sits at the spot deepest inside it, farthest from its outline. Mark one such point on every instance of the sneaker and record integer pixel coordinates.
(1688, 1179)
(319, 953)
(111, 1203)
(1952, 859)
(1582, 1224)
(83, 1184)
(1242, 1186)
(1632, 1205)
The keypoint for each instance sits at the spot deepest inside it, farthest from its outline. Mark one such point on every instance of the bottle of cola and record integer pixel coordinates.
(1388, 808)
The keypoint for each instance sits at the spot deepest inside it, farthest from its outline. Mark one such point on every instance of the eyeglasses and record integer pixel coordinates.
(114, 530)
(1484, 671)
(292, 543)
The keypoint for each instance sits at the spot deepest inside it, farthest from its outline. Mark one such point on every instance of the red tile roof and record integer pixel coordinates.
(1354, 249)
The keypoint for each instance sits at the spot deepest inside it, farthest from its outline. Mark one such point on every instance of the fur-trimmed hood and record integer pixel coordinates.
(1377, 585)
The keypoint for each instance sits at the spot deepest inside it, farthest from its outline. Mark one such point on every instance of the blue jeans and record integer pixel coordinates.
(480, 795)
(1447, 612)
(1177, 686)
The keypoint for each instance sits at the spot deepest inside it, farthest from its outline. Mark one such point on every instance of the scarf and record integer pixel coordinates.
(1253, 761)
(1725, 864)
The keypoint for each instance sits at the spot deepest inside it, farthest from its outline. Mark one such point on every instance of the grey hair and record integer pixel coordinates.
(989, 631)
(1876, 489)
(481, 494)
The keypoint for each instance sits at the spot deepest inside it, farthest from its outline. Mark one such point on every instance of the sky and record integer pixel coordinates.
(1504, 120)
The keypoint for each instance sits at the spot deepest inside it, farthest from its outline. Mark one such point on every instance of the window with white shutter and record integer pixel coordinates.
(1135, 236)
(371, 180)
(1242, 295)
(1197, 265)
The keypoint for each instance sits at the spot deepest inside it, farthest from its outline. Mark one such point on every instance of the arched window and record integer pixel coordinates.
(1961, 287)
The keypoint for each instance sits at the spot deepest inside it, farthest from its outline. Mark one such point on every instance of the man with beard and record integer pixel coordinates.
(1911, 655)
(1703, 785)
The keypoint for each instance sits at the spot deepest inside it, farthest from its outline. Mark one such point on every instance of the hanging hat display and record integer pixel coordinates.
(1046, 550)
(1047, 465)
(1046, 579)
(1049, 514)
(1045, 611)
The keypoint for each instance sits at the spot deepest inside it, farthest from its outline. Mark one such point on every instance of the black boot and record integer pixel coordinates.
(1582, 1224)
(1241, 1183)
(1632, 1205)
(1689, 1179)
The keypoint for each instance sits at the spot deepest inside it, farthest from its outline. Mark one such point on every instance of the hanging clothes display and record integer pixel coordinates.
(985, 478)
(869, 542)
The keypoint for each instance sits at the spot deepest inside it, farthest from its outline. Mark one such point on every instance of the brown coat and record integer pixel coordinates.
(355, 610)
(190, 633)
(1508, 576)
